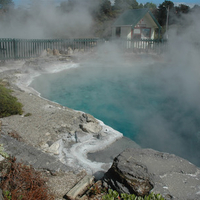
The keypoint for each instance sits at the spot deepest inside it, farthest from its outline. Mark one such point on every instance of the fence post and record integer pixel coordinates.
(15, 48)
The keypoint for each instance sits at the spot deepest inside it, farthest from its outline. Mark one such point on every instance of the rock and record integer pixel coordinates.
(43, 145)
(90, 127)
(49, 52)
(56, 52)
(89, 118)
(54, 148)
(69, 51)
(0, 124)
(32, 156)
(129, 176)
(145, 170)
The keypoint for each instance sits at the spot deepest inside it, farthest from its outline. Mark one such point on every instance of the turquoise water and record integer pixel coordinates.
(145, 103)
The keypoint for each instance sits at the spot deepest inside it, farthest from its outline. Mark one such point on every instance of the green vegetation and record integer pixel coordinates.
(2, 152)
(112, 195)
(27, 114)
(9, 104)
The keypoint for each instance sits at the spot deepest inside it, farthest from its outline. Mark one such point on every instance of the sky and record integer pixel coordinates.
(157, 2)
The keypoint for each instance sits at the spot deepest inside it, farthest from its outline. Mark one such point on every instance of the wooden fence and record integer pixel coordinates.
(142, 45)
(25, 48)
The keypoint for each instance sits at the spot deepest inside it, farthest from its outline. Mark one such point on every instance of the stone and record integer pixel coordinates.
(89, 118)
(54, 148)
(49, 52)
(80, 187)
(127, 175)
(69, 51)
(56, 52)
(90, 127)
(171, 176)
(43, 145)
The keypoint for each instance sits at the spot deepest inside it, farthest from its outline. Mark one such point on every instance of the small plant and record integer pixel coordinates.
(9, 104)
(2, 152)
(7, 195)
(113, 195)
(96, 189)
(27, 114)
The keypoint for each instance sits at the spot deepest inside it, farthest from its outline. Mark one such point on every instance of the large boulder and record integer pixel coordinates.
(127, 175)
(141, 171)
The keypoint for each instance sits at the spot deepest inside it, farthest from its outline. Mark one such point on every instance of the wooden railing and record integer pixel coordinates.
(25, 48)
(142, 45)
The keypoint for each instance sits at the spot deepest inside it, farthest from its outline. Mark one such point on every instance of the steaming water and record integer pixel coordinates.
(142, 102)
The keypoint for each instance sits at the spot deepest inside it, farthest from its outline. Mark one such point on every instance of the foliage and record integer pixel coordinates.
(23, 182)
(113, 195)
(27, 114)
(2, 152)
(8, 103)
(5, 4)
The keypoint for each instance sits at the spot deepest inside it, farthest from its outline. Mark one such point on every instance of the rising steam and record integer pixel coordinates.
(43, 19)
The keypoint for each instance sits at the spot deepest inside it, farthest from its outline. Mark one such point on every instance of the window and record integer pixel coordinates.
(118, 31)
(146, 32)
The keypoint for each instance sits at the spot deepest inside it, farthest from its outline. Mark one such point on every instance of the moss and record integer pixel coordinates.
(9, 104)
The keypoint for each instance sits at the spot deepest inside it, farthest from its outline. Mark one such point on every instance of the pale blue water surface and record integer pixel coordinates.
(148, 104)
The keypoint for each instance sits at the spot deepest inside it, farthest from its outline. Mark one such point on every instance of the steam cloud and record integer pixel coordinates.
(175, 126)
(43, 20)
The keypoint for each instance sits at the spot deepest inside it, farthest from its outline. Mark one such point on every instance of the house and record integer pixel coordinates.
(135, 24)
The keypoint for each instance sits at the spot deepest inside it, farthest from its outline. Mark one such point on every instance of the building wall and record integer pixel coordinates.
(125, 32)
(143, 30)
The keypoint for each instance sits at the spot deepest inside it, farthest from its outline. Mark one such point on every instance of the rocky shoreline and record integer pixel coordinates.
(58, 139)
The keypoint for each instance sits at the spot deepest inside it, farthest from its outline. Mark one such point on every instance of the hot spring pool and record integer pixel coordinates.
(147, 103)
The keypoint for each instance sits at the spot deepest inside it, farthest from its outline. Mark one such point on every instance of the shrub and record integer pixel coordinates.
(27, 114)
(9, 104)
(23, 182)
(113, 195)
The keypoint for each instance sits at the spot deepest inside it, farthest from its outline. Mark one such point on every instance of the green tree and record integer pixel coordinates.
(6, 4)
(120, 5)
(133, 4)
(106, 7)
(182, 8)
(126, 4)
(166, 6)
(150, 5)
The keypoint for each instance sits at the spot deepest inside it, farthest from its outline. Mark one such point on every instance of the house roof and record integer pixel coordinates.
(132, 17)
